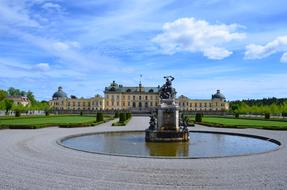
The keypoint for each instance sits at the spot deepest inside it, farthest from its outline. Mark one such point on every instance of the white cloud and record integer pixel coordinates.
(44, 67)
(62, 46)
(51, 6)
(283, 58)
(254, 51)
(16, 13)
(189, 34)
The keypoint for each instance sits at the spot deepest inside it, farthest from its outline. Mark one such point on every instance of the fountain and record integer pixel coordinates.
(164, 125)
(168, 137)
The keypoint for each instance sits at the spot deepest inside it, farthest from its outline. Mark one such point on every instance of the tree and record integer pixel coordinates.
(3, 94)
(14, 92)
(31, 97)
(18, 109)
(8, 105)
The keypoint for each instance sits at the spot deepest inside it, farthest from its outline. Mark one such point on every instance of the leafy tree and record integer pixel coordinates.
(31, 97)
(18, 109)
(8, 105)
(13, 92)
(3, 94)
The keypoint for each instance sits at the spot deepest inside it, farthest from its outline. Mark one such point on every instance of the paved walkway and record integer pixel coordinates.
(31, 159)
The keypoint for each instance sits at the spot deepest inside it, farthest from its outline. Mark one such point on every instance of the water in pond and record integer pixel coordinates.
(200, 145)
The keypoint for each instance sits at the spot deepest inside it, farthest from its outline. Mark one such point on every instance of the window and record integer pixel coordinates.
(134, 98)
(200, 105)
(129, 104)
(195, 104)
(146, 104)
(151, 104)
(205, 104)
(146, 97)
(118, 103)
(134, 104)
(140, 97)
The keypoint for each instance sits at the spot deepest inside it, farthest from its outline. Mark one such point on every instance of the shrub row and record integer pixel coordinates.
(123, 119)
(211, 124)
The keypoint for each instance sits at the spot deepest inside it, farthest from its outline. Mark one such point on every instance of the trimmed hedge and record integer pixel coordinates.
(267, 115)
(123, 120)
(100, 117)
(198, 117)
(210, 124)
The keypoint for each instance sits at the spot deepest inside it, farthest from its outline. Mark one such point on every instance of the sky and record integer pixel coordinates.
(236, 46)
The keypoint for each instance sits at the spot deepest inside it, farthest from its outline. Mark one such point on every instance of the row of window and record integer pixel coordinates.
(117, 97)
(183, 104)
(133, 104)
(78, 103)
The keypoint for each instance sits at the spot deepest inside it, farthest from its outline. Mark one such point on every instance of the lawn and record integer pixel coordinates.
(38, 122)
(244, 123)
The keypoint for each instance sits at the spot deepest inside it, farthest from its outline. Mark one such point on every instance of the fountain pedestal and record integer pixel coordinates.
(167, 127)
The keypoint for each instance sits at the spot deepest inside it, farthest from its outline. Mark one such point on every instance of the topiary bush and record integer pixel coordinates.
(117, 115)
(198, 117)
(267, 115)
(17, 113)
(81, 113)
(122, 117)
(237, 115)
(100, 117)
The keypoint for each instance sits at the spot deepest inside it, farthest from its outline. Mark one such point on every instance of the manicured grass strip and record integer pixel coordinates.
(39, 122)
(243, 123)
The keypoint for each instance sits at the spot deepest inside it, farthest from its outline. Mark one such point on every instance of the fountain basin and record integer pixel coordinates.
(202, 144)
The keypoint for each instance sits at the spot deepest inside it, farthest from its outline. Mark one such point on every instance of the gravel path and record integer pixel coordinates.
(31, 159)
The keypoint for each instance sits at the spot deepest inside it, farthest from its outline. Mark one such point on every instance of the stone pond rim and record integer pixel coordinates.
(274, 141)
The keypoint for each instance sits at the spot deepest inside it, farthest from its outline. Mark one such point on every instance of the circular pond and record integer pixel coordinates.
(201, 145)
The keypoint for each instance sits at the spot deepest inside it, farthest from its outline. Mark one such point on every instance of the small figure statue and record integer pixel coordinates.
(152, 122)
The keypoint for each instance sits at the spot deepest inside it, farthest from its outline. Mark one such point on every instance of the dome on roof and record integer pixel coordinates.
(60, 93)
(218, 95)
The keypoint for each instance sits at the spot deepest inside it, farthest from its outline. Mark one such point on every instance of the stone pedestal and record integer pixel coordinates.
(167, 129)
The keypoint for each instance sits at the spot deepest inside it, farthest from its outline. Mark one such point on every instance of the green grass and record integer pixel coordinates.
(62, 121)
(244, 123)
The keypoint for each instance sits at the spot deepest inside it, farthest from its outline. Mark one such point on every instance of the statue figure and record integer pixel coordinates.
(152, 122)
(166, 91)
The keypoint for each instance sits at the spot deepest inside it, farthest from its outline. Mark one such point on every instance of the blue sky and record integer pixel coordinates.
(237, 46)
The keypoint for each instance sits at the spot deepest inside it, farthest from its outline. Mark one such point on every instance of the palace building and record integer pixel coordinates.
(133, 98)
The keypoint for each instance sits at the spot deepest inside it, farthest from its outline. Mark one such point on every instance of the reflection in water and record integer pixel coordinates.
(200, 145)
(171, 149)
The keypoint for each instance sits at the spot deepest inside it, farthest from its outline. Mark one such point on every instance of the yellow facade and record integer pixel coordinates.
(136, 98)
(131, 98)
(214, 104)
(60, 101)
